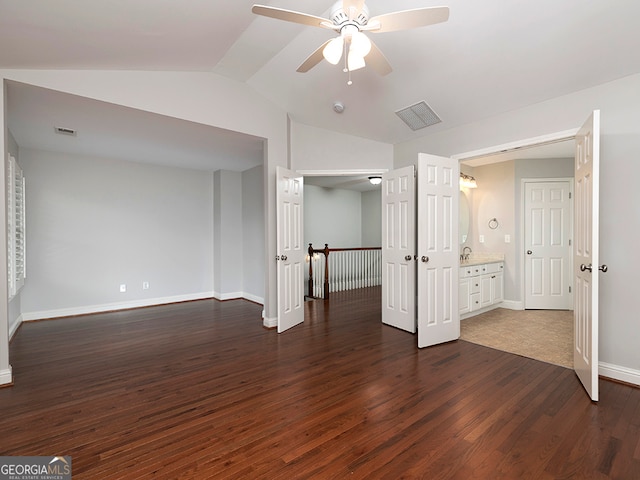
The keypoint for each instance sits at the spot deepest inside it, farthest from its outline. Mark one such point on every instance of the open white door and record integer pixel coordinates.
(291, 254)
(586, 258)
(398, 249)
(438, 260)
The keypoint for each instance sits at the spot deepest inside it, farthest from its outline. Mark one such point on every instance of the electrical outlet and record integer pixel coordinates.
(123, 288)
(481, 238)
(145, 285)
(507, 238)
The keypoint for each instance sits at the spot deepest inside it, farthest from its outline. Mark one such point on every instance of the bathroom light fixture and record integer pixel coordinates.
(467, 181)
(375, 180)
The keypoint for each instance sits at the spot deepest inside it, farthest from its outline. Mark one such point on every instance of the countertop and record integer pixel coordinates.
(480, 258)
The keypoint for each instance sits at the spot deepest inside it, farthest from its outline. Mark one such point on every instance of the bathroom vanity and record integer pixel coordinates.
(481, 287)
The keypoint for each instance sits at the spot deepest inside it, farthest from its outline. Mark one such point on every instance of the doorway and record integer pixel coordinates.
(503, 173)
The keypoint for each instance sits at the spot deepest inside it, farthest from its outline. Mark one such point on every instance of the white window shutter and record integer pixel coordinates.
(16, 224)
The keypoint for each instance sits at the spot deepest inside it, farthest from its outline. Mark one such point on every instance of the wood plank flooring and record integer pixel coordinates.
(202, 390)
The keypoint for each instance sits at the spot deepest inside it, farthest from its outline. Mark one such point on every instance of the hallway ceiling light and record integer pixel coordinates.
(375, 180)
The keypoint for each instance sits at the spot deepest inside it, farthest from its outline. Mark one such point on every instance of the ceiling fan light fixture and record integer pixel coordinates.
(355, 61)
(333, 51)
(360, 44)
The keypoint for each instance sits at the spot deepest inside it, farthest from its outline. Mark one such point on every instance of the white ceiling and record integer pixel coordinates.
(490, 57)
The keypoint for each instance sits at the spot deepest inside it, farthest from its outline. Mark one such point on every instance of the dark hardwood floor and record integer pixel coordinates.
(202, 390)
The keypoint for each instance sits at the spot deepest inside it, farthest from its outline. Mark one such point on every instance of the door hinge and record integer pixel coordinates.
(569, 288)
(569, 195)
(569, 242)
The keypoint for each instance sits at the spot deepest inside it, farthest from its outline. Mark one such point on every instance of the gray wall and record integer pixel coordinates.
(619, 102)
(228, 244)
(96, 223)
(333, 216)
(253, 234)
(372, 218)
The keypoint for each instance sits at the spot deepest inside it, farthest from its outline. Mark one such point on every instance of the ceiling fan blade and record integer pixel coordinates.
(312, 60)
(406, 19)
(291, 16)
(376, 60)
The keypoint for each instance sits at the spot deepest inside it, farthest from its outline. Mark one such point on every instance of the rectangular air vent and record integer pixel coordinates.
(66, 131)
(418, 116)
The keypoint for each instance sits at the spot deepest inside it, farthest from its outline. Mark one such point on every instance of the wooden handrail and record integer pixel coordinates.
(326, 251)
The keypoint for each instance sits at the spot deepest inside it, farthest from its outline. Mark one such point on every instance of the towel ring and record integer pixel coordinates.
(493, 223)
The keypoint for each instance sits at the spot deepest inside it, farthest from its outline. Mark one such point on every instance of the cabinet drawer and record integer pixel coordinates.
(495, 267)
(475, 285)
(474, 301)
(465, 272)
(478, 269)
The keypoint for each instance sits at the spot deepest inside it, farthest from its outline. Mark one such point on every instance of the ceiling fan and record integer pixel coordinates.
(350, 18)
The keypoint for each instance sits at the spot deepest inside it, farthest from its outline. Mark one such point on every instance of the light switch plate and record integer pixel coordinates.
(481, 238)
(507, 238)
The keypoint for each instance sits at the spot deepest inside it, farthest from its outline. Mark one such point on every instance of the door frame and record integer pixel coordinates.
(522, 256)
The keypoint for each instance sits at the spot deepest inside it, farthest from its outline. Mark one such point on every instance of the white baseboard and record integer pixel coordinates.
(227, 296)
(512, 305)
(253, 298)
(6, 377)
(617, 372)
(270, 322)
(237, 295)
(108, 307)
(13, 328)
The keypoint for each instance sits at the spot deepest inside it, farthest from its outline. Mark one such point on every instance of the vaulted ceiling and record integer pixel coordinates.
(490, 57)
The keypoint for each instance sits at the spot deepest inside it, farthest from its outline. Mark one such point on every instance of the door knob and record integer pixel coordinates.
(407, 257)
(603, 268)
(277, 258)
(529, 252)
(424, 259)
(283, 258)
(584, 267)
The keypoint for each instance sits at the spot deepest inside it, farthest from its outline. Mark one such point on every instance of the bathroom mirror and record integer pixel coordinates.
(464, 218)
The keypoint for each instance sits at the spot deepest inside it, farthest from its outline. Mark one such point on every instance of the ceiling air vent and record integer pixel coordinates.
(66, 131)
(418, 116)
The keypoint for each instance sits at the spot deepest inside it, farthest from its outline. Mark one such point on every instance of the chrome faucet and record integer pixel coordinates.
(465, 255)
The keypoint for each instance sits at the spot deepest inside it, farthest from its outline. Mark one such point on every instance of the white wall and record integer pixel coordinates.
(333, 216)
(96, 223)
(619, 102)
(318, 149)
(253, 234)
(372, 218)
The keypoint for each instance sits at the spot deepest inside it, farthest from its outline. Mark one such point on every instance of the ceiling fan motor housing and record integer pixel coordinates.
(340, 17)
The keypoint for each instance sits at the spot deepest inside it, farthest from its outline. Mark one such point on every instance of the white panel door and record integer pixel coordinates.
(547, 261)
(438, 260)
(586, 257)
(398, 249)
(291, 252)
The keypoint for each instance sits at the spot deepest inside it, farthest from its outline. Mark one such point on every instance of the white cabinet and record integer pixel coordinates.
(481, 287)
